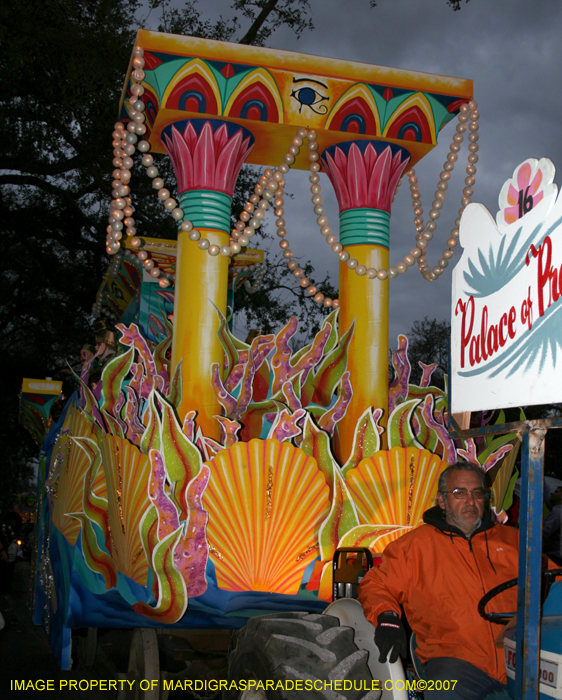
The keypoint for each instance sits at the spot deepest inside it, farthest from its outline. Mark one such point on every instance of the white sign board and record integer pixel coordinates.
(506, 324)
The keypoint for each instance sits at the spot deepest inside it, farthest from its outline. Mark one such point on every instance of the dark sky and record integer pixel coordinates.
(511, 49)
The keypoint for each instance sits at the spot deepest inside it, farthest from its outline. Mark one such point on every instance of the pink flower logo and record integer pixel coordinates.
(363, 177)
(530, 184)
(207, 154)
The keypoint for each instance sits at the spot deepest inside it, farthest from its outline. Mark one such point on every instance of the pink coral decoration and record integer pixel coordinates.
(362, 177)
(210, 159)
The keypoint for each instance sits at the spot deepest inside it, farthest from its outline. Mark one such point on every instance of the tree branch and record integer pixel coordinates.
(252, 32)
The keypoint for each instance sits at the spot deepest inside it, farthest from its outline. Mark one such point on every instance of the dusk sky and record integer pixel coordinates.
(511, 49)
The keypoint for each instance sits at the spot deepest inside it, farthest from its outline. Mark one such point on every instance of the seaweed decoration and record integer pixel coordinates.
(253, 390)
(448, 452)
(188, 427)
(328, 420)
(190, 556)
(181, 457)
(286, 426)
(132, 337)
(229, 430)
(427, 373)
(230, 345)
(331, 370)
(171, 602)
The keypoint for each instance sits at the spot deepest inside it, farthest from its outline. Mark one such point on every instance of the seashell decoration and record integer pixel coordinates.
(393, 488)
(266, 501)
(127, 471)
(72, 464)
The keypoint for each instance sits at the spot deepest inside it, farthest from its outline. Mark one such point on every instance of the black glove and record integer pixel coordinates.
(390, 636)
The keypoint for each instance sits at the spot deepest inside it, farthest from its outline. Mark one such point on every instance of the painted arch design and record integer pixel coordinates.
(412, 121)
(257, 98)
(193, 89)
(356, 112)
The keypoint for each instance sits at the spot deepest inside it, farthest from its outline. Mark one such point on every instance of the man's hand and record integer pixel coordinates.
(390, 636)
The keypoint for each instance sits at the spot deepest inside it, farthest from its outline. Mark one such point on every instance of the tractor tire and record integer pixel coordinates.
(299, 646)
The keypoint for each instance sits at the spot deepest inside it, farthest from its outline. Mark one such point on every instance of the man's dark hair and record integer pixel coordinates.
(460, 467)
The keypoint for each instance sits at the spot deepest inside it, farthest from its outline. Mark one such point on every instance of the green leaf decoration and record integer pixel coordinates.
(316, 443)
(508, 499)
(331, 370)
(399, 431)
(114, 426)
(181, 458)
(366, 440)
(425, 435)
(420, 392)
(112, 378)
(332, 319)
(95, 557)
(229, 343)
(93, 506)
(174, 394)
(252, 419)
(149, 537)
(151, 436)
(341, 518)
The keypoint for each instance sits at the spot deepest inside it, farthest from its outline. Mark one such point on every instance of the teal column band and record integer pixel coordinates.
(207, 209)
(364, 226)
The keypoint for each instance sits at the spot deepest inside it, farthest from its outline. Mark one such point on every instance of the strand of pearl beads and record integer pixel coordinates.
(468, 113)
(124, 141)
(270, 186)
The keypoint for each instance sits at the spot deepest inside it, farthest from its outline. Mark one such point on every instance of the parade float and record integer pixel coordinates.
(201, 480)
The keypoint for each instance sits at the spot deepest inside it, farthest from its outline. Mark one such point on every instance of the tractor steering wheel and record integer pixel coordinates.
(503, 618)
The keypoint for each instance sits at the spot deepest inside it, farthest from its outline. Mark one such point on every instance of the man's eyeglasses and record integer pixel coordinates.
(462, 494)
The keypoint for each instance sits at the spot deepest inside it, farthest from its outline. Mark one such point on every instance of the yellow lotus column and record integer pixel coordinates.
(207, 155)
(364, 175)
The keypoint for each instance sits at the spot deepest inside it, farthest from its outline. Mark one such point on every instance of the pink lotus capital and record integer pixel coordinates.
(364, 174)
(207, 154)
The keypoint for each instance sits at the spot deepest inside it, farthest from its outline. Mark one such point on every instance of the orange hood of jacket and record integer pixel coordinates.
(439, 575)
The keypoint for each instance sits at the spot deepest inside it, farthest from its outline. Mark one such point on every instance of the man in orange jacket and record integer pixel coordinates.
(438, 573)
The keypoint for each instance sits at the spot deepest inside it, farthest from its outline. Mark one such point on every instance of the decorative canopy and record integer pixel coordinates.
(273, 92)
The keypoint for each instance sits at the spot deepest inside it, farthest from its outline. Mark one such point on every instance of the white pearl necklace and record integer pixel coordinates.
(270, 187)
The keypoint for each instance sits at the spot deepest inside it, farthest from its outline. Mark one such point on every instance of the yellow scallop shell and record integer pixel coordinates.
(72, 463)
(395, 487)
(127, 472)
(266, 501)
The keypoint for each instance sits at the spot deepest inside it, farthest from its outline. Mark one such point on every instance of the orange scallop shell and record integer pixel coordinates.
(395, 487)
(266, 501)
(73, 466)
(127, 472)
